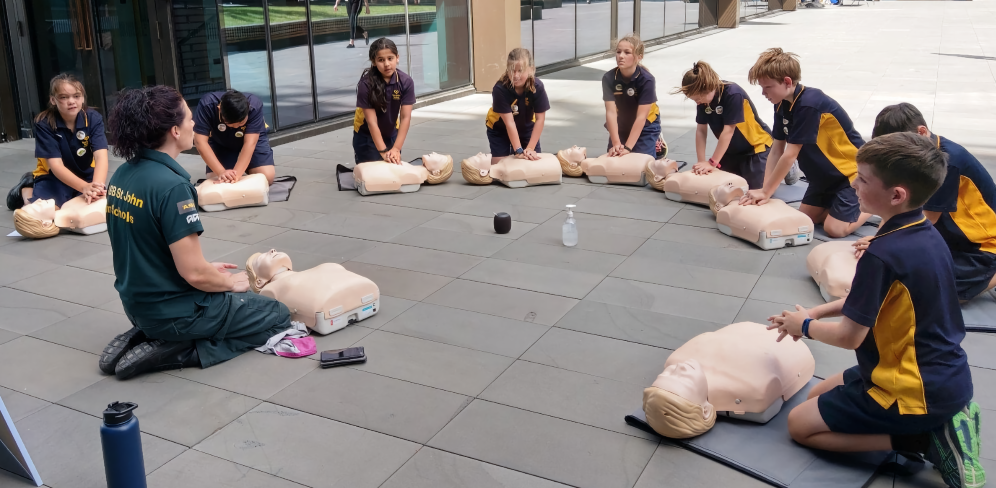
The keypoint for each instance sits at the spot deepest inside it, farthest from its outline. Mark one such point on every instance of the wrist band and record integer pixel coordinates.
(805, 328)
(384, 151)
(627, 148)
(714, 163)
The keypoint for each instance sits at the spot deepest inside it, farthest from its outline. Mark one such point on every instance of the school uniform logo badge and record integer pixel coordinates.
(239, 134)
(80, 152)
(619, 87)
(515, 108)
(397, 95)
(786, 129)
(631, 92)
(785, 121)
(222, 127)
(719, 109)
(81, 135)
(186, 206)
(708, 110)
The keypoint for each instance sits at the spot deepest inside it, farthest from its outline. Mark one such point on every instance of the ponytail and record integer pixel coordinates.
(142, 117)
(699, 80)
(377, 93)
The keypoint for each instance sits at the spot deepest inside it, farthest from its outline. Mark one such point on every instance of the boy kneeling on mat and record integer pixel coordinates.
(912, 389)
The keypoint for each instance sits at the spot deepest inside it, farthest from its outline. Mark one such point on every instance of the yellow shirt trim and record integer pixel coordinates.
(974, 216)
(752, 131)
(654, 112)
(42, 168)
(897, 375)
(358, 119)
(833, 142)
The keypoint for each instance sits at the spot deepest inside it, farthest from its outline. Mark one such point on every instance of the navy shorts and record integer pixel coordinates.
(364, 149)
(748, 166)
(228, 157)
(647, 143)
(842, 202)
(48, 187)
(849, 409)
(501, 145)
(973, 271)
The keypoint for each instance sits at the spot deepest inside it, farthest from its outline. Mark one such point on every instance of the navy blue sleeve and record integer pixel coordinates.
(363, 94)
(608, 91)
(733, 109)
(648, 92)
(805, 126)
(945, 199)
(500, 101)
(46, 143)
(98, 138)
(204, 117)
(700, 115)
(778, 128)
(870, 286)
(408, 91)
(541, 102)
(257, 122)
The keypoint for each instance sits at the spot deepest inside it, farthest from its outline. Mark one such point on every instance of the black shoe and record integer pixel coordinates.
(158, 355)
(350, 46)
(14, 198)
(117, 348)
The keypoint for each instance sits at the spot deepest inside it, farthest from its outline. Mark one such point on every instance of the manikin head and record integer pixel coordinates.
(262, 267)
(434, 162)
(660, 169)
(36, 220)
(480, 162)
(43, 210)
(721, 195)
(677, 404)
(777, 72)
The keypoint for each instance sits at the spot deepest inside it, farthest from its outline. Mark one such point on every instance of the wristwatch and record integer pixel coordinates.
(519, 151)
(383, 151)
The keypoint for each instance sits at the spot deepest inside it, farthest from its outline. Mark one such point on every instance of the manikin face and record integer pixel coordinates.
(480, 162)
(575, 154)
(686, 380)
(268, 264)
(662, 168)
(68, 100)
(703, 98)
(626, 57)
(386, 62)
(41, 209)
(776, 90)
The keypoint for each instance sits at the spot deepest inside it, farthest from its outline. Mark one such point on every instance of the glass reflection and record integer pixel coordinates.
(439, 44)
(199, 64)
(674, 17)
(526, 25)
(652, 19)
(554, 35)
(245, 51)
(291, 61)
(593, 26)
(625, 25)
(692, 15)
(125, 46)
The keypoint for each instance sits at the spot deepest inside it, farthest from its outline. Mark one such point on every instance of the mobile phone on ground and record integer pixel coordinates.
(339, 357)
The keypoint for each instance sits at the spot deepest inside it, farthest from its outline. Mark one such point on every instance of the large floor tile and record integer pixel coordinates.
(735, 260)
(334, 249)
(89, 331)
(681, 302)
(390, 308)
(45, 370)
(57, 250)
(545, 196)
(274, 214)
(543, 279)
(695, 216)
(518, 212)
(372, 401)
(432, 468)
(642, 205)
(622, 361)
(582, 398)
(548, 447)
(597, 233)
(7, 336)
(684, 275)
(308, 449)
(419, 259)
(369, 221)
(74, 285)
(428, 363)
(984, 383)
(252, 374)
(472, 330)
(165, 405)
(560, 256)
(65, 447)
(17, 268)
(235, 231)
(502, 301)
(634, 325)
(451, 241)
(410, 285)
(673, 466)
(470, 224)
(194, 469)
(703, 236)
(23, 312)
(979, 347)
(20, 405)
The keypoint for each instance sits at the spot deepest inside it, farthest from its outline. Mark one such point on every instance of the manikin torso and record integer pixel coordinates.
(832, 265)
(384, 177)
(628, 169)
(770, 226)
(514, 172)
(76, 214)
(250, 190)
(746, 370)
(692, 188)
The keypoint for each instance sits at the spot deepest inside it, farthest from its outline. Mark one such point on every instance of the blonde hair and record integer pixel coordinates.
(699, 80)
(29, 226)
(520, 55)
(51, 113)
(776, 64)
(638, 47)
(673, 416)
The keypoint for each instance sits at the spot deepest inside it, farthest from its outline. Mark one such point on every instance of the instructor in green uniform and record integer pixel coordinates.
(186, 311)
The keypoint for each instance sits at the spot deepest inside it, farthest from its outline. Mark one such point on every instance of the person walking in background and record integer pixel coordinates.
(353, 10)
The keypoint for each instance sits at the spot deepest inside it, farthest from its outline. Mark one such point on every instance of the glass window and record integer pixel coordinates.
(125, 46)
(692, 15)
(674, 17)
(199, 62)
(439, 44)
(554, 35)
(526, 25)
(291, 61)
(593, 26)
(625, 25)
(62, 42)
(652, 19)
(245, 51)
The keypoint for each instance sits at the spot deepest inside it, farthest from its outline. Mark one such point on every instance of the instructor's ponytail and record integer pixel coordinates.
(143, 117)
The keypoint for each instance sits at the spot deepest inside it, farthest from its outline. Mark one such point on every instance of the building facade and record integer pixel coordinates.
(295, 54)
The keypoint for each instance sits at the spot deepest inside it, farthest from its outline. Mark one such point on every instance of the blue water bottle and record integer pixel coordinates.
(122, 445)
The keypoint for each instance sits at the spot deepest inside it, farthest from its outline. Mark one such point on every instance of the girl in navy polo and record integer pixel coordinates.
(630, 95)
(70, 147)
(744, 140)
(518, 110)
(384, 99)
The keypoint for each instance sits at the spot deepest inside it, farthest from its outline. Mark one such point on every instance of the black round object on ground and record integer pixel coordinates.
(503, 223)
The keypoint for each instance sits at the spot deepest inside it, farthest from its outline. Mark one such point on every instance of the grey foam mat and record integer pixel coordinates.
(766, 452)
(791, 193)
(980, 313)
(863, 231)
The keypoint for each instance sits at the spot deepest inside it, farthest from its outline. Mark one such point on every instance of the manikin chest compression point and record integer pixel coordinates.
(250, 191)
(382, 177)
(511, 171)
(832, 265)
(773, 225)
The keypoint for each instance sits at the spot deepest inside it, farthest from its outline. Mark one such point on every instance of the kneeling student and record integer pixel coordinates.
(963, 210)
(230, 135)
(518, 110)
(912, 388)
(385, 97)
(630, 95)
(744, 139)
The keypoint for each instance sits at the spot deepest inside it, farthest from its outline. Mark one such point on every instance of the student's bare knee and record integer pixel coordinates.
(836, 228)
(268, 171)
(797, 426)
(816, 214)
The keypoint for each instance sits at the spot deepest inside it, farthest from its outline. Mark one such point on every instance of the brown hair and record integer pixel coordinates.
(51, 113)
(775, 64)
(908, 160)
(523, 56)
(637, 44)
(699, 80)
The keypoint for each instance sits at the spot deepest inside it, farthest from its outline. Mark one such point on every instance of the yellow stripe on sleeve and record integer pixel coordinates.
(974, 216)
(752, 131)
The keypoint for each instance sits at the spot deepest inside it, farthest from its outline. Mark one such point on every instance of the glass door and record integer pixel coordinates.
(62, 39)
(124, 44)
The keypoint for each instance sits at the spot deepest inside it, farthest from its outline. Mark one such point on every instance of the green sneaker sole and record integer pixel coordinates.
(966, 428)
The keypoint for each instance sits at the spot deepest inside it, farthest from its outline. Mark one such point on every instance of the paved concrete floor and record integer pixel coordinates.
(496, 360)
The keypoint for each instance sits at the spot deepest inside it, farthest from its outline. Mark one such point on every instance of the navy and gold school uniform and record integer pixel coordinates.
(151, 204)
(640, 89)
(225, 141)
(912, 374)
(967, 200)
(747, 154)
(829, 149)
(504, 100)
(75, 148)
(398, 92)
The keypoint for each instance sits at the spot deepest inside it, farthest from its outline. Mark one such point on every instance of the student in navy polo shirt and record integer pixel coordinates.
(813, 128)
(630, 95)
(744, 139)
(963, 209)
(912, 388)
(384, 99)
(70, 146)
(230, 135)
(518, 110)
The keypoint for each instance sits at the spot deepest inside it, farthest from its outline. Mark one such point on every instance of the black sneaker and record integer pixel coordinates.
(158, 355)
(14, 198)
(117, 348)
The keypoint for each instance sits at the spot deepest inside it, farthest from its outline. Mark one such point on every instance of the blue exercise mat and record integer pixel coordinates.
(791, 193)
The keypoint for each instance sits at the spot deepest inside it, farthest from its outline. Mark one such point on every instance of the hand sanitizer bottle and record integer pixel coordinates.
(570, 228)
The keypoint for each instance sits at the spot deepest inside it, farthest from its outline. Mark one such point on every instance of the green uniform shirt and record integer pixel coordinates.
(150, 205)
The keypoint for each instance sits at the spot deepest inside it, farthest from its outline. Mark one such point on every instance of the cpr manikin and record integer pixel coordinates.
(326, 298)
(738, 371)
(251, 190)
(625, 170)
(511, 171)
(832, 265)
(41, 219)
(689, 187)
(382, 177)
(773, 225)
